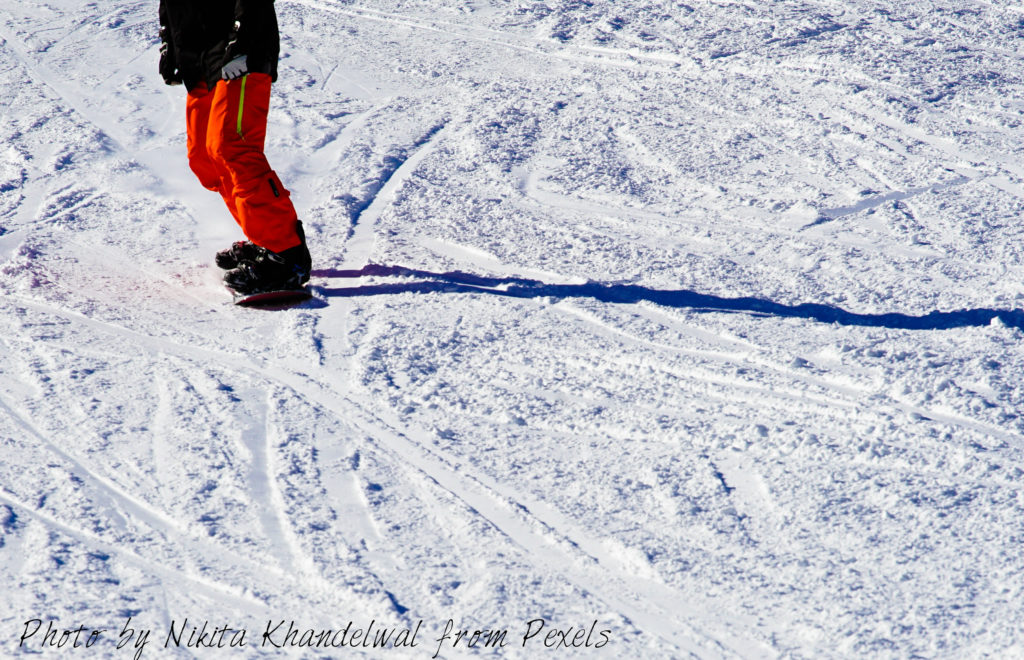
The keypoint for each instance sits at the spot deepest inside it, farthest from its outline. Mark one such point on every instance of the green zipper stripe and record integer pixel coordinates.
(241, 105)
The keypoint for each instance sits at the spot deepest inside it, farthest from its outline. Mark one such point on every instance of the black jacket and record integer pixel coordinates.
(201, 36)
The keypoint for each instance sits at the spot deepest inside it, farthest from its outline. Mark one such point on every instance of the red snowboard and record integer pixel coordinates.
(281, 298)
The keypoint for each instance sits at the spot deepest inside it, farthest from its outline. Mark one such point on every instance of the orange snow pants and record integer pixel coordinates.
(227, 128)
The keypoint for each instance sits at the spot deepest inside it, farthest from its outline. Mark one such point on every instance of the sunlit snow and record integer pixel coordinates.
(640, 329)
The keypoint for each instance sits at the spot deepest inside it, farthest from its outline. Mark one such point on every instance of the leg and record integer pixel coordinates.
(235, 138)
(197, 120)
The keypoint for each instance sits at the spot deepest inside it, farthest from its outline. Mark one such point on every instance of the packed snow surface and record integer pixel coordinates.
(658, 329)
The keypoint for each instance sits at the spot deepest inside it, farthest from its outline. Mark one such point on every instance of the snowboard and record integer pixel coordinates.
(279, 298)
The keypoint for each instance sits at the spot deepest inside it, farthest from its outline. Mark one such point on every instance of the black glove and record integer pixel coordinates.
(168, 67)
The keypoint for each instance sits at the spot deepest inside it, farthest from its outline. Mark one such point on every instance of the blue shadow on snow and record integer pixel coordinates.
(515, 287)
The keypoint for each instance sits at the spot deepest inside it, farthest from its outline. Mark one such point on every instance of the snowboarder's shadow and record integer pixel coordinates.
(421, 281)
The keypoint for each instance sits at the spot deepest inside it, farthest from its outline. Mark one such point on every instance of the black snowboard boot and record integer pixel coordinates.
(233, 256)
(271, 271)
(302, 252)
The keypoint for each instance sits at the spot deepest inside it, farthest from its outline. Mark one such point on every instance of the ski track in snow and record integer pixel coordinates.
(476, 417)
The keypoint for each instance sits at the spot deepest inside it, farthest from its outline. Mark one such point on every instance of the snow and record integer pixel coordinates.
(686, 329)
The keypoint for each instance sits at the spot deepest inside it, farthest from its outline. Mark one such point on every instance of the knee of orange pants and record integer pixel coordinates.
(203, 167)
(213, 178)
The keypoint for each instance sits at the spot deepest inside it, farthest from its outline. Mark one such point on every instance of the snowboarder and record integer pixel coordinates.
(225, 53)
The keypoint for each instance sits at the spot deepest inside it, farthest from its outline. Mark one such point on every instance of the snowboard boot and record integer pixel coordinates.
(271, 271)
(242, 251)
(302, 252)
(233, 256)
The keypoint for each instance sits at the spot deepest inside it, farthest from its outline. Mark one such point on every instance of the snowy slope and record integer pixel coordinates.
(697, 323)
